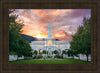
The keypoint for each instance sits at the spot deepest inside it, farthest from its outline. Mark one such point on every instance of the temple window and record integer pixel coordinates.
(49, 42)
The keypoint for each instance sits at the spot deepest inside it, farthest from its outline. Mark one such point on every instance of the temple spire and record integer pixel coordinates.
(50, 27)
(50, 31)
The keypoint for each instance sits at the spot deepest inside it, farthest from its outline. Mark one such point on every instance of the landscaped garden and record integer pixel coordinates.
(56, 61)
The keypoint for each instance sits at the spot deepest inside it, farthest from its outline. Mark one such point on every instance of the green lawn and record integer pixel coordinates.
(62, 61)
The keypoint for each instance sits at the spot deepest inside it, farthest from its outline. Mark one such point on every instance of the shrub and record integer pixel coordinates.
(49, 56)
(39, 57)
(59, 56)
(34, 57)
(28, 58)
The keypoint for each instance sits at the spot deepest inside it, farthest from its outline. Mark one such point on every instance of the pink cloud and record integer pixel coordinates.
(62, 20)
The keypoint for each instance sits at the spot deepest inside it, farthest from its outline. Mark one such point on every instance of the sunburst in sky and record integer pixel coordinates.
(64, 22)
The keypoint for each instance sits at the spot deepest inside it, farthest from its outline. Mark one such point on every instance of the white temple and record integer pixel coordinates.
(50, 44)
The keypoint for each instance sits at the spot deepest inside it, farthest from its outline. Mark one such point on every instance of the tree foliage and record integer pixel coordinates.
(81, 41)
(16, 42)
(35, 52)
(64, 52)
(44, 51)
(56, 52)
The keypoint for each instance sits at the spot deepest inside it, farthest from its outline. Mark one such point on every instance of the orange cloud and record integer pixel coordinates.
(55, 12)
(60, 34)
(40, 35)
(36, 22)
(66, 10)
(40, 12)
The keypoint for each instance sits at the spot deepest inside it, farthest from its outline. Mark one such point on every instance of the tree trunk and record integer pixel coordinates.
(73, 56)
(87, 57)
(79, 56)
(17, 57)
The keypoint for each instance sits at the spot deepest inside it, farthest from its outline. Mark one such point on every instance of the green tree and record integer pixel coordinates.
(25, 48)
(64, 52)
(55, 52)
(16, 42)
(69, 52)
(44, 51)
(81, 41)
(35, 52)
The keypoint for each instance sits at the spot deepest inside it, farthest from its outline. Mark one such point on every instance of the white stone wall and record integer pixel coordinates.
(20, 57)
(14, 57)
(37, 45)
(81, 57)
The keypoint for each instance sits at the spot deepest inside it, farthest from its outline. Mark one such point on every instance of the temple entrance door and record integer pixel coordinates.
(49, 52)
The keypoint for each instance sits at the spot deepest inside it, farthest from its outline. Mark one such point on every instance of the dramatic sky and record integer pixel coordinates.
(64, 22)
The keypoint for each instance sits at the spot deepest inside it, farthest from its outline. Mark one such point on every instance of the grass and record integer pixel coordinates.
(62, 61)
